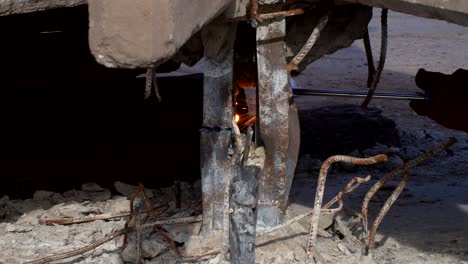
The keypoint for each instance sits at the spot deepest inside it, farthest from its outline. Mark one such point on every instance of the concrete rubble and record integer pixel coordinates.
(24, 237)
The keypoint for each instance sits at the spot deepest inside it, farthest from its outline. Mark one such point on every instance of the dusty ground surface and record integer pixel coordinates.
(428, 224)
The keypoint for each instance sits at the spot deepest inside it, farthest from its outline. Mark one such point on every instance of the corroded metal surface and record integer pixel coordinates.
(402, 169)
(218, 111)
(243, 203)
(214, 168)
(314, 221)
(278, 123)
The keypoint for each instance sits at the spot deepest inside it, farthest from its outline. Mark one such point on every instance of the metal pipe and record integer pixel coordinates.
(360, 94)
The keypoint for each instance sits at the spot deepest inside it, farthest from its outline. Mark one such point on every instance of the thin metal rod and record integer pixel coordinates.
(383, 211)
(402, 169)
(314, 221)
(381, 64)
(260, 17)
(314, 36)
(359, 94)
(370, 59)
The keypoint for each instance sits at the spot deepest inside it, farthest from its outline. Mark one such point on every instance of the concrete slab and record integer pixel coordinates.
(129, 34)
(454, 11)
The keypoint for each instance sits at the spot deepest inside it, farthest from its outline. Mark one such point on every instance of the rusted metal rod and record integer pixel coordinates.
(351, 186)
(384, 210)
(79, 251)
(261, 17)
(114, 235)
(292, 12)
(293, 65)
(151, 86)
(173, 221)
(381, 64)
(402, 169)
(253, 14)
(66, 221)
(370, 58)
(321, 188)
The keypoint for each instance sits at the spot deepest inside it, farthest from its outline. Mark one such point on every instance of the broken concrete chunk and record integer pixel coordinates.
(260, 152)
(42, 195)
(153, 247)
(182, 233)
(52, 197)
(127, 190)
(198, 244)
(91, 187)
(18, 228)
(120, 205)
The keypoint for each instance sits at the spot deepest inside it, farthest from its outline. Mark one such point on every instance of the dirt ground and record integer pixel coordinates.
(427, 224)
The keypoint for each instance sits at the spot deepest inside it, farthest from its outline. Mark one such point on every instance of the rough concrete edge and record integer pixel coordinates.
(13, 7)
(449, 14)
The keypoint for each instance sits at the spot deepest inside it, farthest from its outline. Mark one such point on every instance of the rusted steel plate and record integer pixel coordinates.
(217, 96)
(214, 168)
(215, 140)
(218, 111)
(130, 34)
(278, 125)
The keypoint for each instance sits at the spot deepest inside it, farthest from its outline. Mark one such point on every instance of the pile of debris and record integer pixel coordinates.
(164, 226)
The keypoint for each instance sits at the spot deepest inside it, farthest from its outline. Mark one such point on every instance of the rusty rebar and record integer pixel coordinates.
(151, 86)
(115, 234)
(253, 13)
(294, 64)
(173, 221)
(352, 185)
(148, 83)
(292, 12)
(152, 210)
(321, 188)
(104, 217)
(402, 169)
(266, 16)
(369, 56)
(127, 223)
(78, 251)
(381, 64)
(384, 210)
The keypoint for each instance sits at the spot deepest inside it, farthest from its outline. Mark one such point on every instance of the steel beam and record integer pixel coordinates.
(218, 111)
(278, 124)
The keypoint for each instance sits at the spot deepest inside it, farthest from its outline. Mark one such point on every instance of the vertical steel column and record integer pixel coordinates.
(278, 123)
(218, 40)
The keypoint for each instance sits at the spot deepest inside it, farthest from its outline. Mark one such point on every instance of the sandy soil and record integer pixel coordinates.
(428, 224)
